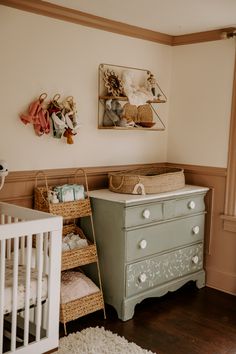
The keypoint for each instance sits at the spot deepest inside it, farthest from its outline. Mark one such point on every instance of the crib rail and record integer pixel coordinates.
(30, 254)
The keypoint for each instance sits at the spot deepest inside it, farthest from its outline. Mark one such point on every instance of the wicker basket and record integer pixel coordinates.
(145, 113)
(74, 209)
(80, 307)
(147, 180)
(130, 112)
(78, 256)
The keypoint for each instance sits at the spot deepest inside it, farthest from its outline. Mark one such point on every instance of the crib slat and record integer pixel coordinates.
(14, 293)
(9, 221)
(45, 271)
(27, 289)
(22, 249)
(45, 252)
(39, 246)
(2, 291)
(54, 282)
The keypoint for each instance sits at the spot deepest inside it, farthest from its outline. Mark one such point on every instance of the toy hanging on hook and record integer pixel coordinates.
(64, 118)
(71, 120)
(37, 115)
(55, 112)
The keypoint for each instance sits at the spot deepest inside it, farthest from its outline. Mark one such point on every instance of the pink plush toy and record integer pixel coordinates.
(38, 116)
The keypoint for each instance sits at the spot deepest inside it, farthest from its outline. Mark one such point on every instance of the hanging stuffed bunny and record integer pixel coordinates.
(37, 115)
(70, 116)
(58, 120)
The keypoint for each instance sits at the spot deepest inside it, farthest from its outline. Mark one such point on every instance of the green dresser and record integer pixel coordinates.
(148, 245)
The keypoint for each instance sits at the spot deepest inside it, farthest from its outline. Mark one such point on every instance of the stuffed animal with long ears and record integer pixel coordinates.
(37, 115)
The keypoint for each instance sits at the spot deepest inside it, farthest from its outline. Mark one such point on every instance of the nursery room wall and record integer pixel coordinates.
(201, 93)
(41, 54)
(199, 119)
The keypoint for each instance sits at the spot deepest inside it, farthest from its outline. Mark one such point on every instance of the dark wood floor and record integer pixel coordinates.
(188, 321)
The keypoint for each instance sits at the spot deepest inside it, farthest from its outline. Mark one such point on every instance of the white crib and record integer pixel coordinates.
(30, 261)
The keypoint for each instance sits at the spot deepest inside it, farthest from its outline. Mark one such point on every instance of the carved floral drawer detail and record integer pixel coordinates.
(163, 268)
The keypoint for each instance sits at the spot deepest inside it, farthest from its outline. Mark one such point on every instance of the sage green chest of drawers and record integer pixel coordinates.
(148, 245)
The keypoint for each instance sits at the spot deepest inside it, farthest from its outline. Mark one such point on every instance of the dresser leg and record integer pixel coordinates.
(127, 311)
(201, 281)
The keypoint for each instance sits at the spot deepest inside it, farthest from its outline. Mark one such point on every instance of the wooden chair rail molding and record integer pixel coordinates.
(19, 185)
(229, 216)
(66, 14)
(214, 178)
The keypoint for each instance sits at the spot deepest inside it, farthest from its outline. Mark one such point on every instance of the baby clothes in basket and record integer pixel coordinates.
(71, 241)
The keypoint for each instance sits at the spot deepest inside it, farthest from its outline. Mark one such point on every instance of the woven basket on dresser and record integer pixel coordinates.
(147, 180)
(77, 256)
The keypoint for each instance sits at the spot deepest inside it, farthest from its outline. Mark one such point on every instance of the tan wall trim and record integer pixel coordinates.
(202, 170)
(63, 13)
(230, 200)
(19, 189)
(199, 37)
(213, 178)
(226, 280)
(229, 223)
(19, 186)
(219, 265)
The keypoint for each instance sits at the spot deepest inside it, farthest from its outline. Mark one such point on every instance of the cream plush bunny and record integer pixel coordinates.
(137, 95)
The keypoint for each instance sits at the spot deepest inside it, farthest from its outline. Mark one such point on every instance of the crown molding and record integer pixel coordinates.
(44, 8)
(199, 37)
(40, 7)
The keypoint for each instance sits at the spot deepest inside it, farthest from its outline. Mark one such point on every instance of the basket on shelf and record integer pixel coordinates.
(73, 209)
(77, 256)
(130, 112)
(89, 297)
(145, 113)
(147, 180)
(80, 307)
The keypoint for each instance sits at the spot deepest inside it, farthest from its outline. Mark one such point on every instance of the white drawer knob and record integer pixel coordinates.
(195, 259)
(142, 278)
(146, 214)
(143, 244)
(196, 230)
(191, 205)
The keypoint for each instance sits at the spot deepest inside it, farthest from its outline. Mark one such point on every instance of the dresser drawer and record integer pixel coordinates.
(160, 269)
(143, 214)
(149, 240)
(162, 210)
(189, 205)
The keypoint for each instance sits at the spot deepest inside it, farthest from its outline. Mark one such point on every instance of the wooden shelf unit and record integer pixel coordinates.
(76, 257)
(103, 96)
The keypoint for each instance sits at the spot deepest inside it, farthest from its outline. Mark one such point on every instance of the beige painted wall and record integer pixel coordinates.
(201, 90)
(42, 54)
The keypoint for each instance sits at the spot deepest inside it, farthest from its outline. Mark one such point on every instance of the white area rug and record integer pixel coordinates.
(98, 341)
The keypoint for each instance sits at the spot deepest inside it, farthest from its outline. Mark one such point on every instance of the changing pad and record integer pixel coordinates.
(21, 287)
